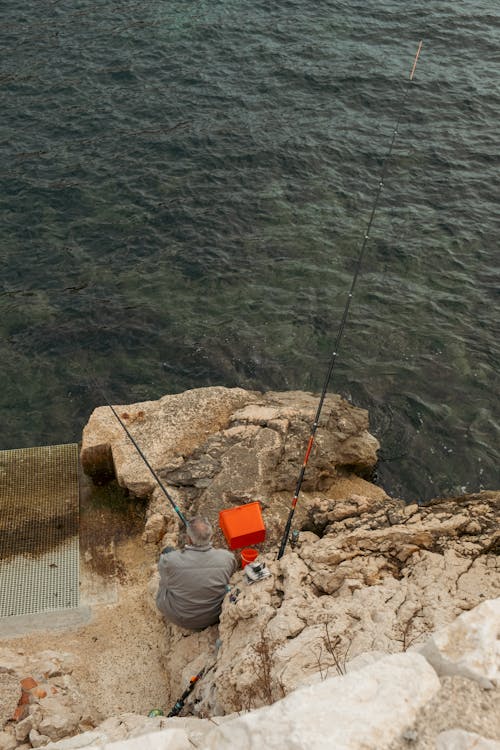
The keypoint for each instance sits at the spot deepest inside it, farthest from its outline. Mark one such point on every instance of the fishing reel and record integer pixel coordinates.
(256, 572)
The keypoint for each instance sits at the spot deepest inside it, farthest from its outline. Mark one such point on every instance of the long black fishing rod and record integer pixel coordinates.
(343, 321)
(134, 443)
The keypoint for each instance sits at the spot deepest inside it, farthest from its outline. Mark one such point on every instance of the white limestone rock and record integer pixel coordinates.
(367, 708)
(458, 739)
(133, 732)
(23, 728)
(170, 428)
(363, 660)
(7, 741)
(344, 593)
(168, 739)
(86, 740)
(470, 646)
(58, 719)
(159, 730)
(226, 444)
(37, 739)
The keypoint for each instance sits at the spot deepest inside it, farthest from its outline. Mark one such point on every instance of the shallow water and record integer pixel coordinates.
(184, 191)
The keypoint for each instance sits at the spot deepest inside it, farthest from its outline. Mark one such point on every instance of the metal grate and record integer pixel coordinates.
(39, 551)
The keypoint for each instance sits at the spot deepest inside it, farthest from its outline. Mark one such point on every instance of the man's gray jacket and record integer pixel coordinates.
(193, 582)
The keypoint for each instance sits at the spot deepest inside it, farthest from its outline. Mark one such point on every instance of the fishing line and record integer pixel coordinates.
(134, 443)
(343, 321)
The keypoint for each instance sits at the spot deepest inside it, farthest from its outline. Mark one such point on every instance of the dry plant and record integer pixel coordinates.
(336, 650)
(333, 646)
(264, 689)
(403, 632)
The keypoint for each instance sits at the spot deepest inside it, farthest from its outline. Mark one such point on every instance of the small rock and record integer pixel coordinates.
(58, 720)
(37, 739)
(473, 527)
(410, 735)
(23, 728)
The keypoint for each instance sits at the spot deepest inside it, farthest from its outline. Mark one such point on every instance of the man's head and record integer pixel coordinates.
(199, 531)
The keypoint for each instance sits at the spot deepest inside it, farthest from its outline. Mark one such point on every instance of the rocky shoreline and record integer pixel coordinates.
(379, 629)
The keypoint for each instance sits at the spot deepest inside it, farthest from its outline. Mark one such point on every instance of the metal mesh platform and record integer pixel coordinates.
(39, 518)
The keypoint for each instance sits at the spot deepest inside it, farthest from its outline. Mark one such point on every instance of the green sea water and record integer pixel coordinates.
(185, 187)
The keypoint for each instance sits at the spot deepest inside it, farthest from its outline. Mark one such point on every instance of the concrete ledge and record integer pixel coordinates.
(61, 619)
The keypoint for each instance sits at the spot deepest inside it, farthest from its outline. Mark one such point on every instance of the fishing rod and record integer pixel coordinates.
(179, 704)
(134, 443)
(345, 314)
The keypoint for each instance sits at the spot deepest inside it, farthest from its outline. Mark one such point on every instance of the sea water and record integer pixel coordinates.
(185, 187)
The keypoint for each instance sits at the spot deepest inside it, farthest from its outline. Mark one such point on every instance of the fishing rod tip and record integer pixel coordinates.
(412, 73)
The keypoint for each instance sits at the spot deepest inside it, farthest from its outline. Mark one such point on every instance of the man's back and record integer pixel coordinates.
(193, 582)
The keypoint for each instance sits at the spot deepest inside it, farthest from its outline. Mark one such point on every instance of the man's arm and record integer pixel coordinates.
(163, 565)
(235, 565)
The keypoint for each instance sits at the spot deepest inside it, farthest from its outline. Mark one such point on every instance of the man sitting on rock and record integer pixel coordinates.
(194, 580)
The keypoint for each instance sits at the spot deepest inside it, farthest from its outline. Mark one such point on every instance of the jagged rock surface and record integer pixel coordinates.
(366, 708)
(383, 703)
(43, 702)
(369, 577)
(383, 577)
(218, 447)
(369, 573)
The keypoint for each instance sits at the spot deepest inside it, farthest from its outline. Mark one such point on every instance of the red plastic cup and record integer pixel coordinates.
(248, 555)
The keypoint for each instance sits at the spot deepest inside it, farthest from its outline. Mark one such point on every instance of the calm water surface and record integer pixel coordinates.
(184, 191)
